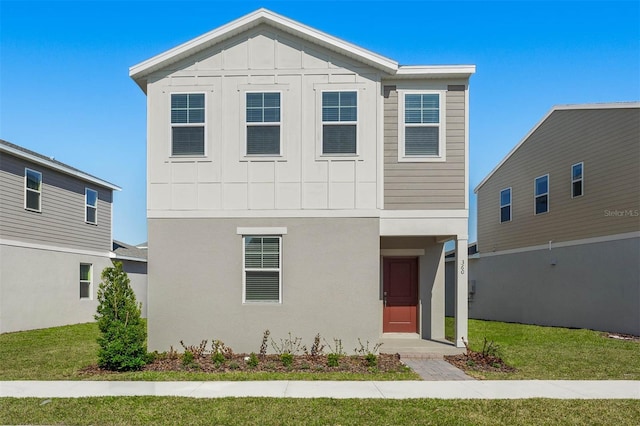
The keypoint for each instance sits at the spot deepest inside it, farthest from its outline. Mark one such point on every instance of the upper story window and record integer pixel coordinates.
(505, 205)
(262, 269)
(187, 123)
(339, 123)
(263, 118)
(90, 206)
(577, 184)
(32, 190)
(541, 192)
(421, 134)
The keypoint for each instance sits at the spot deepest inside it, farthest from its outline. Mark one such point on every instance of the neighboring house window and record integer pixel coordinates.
(187, 124)
(262, 268)
(91, 206)
(421, 125)
(32, 190)
(263, 123)
(339, 123)
(577, 184)
(85, 281)
(505, 205)
(542, 194)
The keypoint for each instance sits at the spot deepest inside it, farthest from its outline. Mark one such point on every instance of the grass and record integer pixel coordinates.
(537, 353)
(555, 353)
(274, 411)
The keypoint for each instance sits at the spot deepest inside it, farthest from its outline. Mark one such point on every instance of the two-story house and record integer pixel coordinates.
(55, 239)
(559, 224)
(300, 183)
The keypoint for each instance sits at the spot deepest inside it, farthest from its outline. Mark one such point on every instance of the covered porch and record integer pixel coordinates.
(412, 284)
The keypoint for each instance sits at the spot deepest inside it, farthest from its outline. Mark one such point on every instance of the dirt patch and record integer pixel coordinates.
(621, 336)
(475, 361)
(385, 363)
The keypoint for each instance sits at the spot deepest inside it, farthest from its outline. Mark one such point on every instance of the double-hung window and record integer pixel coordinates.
(32, 190)
(187, 123)
(85, 281)
(90, 206)
(262, 268)
(339, 123)
(263, 118)
(541, 191)
(577, 185)
(505, 205)
(421, 133)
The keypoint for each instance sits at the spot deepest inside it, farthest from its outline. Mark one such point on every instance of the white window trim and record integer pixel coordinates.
(87, 205)
(320, 155)
(244, 125)
(442, 136)
(27, 189)
(535, 196)
(506, 205)
(90, 281)
(581, 180)
(245, 270)
(172, 125)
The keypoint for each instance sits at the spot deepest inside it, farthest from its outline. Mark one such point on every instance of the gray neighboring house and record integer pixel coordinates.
(134, 263)
(55, 239)
(300, 183)
(559, 224)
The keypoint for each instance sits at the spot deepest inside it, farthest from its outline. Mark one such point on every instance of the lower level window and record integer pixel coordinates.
(262, 269)
(85, 281)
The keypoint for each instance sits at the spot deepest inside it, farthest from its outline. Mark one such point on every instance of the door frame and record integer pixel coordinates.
(407, 255)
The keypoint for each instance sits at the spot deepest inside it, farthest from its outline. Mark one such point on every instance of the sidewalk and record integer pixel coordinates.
(463, 389)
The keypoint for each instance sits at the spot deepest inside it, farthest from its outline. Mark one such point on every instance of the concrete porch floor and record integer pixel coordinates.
(416, 348)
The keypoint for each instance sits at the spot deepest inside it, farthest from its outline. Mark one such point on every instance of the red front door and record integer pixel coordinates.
(400, 286)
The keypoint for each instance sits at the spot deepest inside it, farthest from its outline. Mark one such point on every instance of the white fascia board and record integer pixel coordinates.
(59, 167)
(139, 71)
(435, 71)
(610, 105)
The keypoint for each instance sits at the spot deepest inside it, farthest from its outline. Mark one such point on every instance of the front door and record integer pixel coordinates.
(400, 287)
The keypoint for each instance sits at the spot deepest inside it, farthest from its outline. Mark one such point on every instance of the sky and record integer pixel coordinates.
(65, 90)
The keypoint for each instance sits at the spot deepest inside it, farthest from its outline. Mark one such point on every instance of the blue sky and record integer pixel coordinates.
(65, 90)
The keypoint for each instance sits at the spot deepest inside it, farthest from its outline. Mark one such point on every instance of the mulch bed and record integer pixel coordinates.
(269, 363)
(475, 361)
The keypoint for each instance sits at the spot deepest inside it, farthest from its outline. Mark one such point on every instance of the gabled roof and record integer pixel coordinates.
(140, 71)
(54, 164)
(611, 105)
(128, 252)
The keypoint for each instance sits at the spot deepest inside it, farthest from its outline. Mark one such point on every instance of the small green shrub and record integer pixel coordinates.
(253, 360)
(218, 358)
(333, 360)
(188, 358)
(233, 365)
(286, 359)
(372, 359)
(123, 333)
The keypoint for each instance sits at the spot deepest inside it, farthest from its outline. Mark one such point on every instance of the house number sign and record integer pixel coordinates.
(462, 267)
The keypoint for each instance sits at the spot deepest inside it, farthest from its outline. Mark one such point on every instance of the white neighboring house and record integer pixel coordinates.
(559, 224)
(55, 239)
(300, 183)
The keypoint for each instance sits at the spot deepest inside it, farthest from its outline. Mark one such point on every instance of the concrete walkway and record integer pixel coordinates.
(464, 389)
(436, 369)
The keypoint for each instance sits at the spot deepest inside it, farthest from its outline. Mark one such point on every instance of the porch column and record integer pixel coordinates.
(462, 290)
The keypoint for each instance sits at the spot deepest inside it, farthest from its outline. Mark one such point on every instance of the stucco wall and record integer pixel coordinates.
(41, 288)
(330, 283)
(593, 286)
(137, 273)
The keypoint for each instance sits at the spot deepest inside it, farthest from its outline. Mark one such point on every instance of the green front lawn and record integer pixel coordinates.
(321, 411)
(537, 353)
(555, 353)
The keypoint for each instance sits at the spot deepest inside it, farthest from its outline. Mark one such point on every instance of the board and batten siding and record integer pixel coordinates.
(426, 185)
(61, 221)
(607, 142)
(263, 59)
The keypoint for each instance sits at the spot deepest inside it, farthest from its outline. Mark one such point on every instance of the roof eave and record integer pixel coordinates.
(140, 71)
(434, 71)
(66, 170)
(608, 105)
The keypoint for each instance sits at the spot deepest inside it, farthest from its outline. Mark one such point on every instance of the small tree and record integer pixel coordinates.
(123, 334)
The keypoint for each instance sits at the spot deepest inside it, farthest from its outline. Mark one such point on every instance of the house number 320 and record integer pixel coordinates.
(462, 267)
